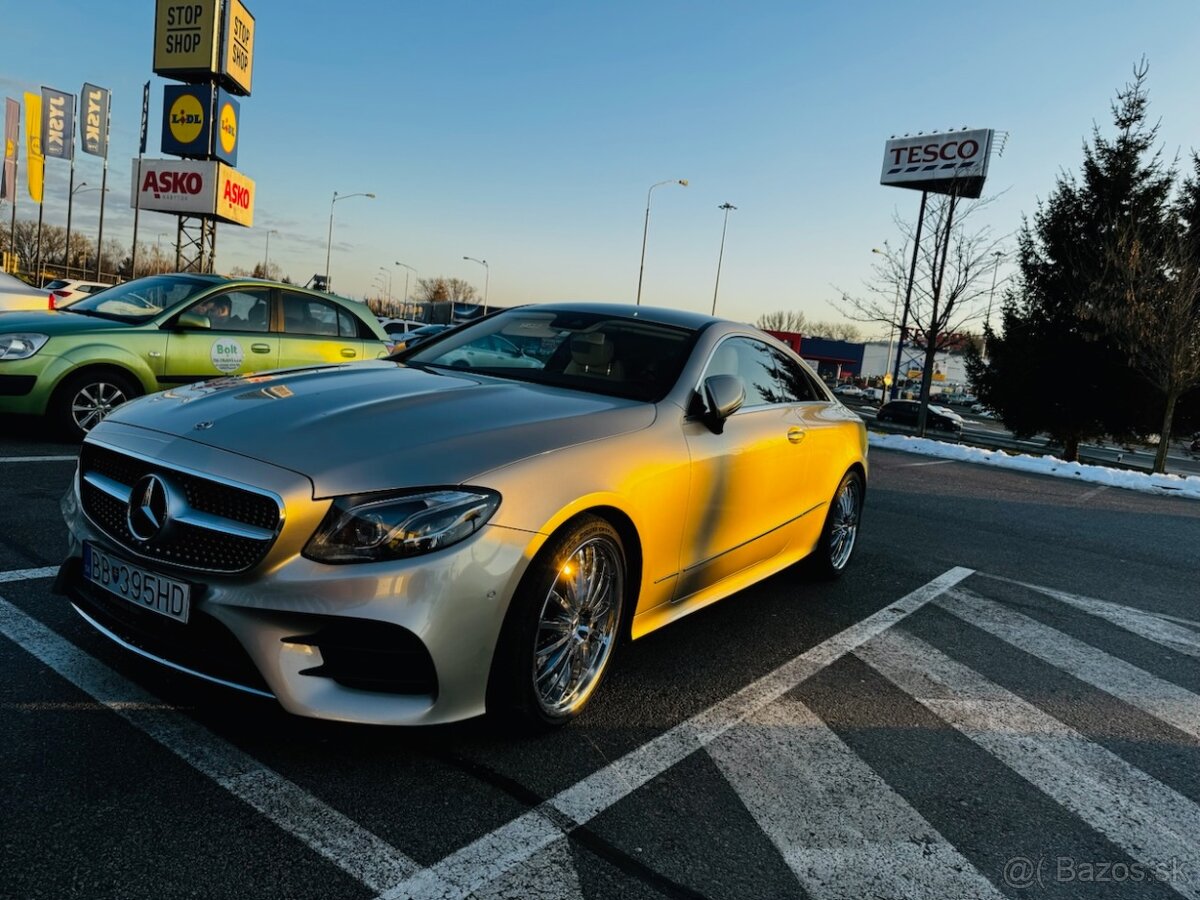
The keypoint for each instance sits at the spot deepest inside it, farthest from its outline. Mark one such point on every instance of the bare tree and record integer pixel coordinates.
(945, 300)
(834, 331)
(442, 290)
(783, 320)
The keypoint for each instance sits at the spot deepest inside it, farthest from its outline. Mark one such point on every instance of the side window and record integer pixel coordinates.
(308, 315)
(795, 383)
(347, 324)
(248, 310)
(752, 361)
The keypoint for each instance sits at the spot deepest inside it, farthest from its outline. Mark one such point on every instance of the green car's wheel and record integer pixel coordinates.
(86, 398)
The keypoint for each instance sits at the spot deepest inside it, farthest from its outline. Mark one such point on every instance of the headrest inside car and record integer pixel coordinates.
(591, 349)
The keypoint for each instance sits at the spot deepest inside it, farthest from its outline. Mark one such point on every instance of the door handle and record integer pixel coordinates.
(348, 353)
(796, 435)
(261, 348)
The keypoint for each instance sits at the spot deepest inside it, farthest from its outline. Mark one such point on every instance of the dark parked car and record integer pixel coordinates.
(904, 412)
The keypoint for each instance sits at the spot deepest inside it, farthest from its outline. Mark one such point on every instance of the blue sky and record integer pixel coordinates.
(527, 134)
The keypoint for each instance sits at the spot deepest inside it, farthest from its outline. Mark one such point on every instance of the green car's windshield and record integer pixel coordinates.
(142, 298)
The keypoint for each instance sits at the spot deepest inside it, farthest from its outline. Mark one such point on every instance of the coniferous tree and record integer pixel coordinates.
(1057, 367)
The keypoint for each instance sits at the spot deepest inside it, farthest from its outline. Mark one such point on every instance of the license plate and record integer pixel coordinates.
(139, 586)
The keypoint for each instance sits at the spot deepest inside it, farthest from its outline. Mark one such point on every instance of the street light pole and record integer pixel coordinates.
(646, 230)
(891, 326)
(70, 206)
(487, 277)
(727, 207)
(267, 251)
(988, 322)
(329, 242)
(407, 268)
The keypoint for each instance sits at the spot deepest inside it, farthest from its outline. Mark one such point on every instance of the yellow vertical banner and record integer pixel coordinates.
(36, 169)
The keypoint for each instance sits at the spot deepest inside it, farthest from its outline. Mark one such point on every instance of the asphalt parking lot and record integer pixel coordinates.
(1001, 698)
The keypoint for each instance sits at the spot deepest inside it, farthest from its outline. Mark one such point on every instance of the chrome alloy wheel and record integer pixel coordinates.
(577, 626)
(843, 530)
(94, 401)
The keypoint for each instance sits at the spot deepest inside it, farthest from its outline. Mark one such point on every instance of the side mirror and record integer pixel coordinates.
(723, 396)
(193, 320)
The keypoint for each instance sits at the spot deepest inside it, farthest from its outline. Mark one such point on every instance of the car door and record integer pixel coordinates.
(821, 423)
(317, 331)
(238, 345)
(743, 480)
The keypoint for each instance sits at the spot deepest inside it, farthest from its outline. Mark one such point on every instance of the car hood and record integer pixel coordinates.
(382, 425)
(54, 322)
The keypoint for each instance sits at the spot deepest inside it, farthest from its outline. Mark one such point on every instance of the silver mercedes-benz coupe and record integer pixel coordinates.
(424, 538)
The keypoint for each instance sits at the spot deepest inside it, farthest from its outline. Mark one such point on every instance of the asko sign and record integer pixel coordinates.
(953, 161)
(235, 196)
(182, 186)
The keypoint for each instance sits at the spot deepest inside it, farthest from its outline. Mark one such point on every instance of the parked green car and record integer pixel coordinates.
(76, 364)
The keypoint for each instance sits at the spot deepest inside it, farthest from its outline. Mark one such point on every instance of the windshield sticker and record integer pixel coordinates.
(226, 355)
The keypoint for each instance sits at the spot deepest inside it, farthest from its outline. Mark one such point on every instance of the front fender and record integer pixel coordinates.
(102, 354)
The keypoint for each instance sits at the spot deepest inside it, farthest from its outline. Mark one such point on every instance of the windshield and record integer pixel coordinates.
(142, 298)
(591, 352)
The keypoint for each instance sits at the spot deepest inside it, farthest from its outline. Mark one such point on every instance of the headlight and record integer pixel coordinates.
(365, 528)
(21, 346)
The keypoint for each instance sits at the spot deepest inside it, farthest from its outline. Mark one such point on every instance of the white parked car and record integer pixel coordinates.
(63, 292)
(395, 327)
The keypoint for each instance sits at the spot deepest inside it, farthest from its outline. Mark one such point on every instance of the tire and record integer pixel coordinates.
(839, 535)
(83, 400)
(560, 631)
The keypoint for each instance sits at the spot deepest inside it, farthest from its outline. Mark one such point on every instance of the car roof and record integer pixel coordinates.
(657, 314)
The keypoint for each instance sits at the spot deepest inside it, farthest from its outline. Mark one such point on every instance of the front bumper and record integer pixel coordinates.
(314, 635)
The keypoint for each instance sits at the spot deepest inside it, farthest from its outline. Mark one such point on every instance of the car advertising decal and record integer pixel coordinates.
(226, 355)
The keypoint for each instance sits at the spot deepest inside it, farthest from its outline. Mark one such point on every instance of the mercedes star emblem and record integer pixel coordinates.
(149, 508)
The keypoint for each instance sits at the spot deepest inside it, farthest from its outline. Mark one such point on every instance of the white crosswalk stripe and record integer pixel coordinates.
(1148, 820)
(467, 870)
(837, 824)
(326, 831)
(1144, 624)
(1137, 687)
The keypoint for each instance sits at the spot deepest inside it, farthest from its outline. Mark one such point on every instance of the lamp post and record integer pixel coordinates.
(727, 207)
(646, 230)
(70, 206)
(388, 271)
(79, 189)
(329, 242)
(267, 252)
(487, 277)
(407, 269)
(997, 255)
(891, 329)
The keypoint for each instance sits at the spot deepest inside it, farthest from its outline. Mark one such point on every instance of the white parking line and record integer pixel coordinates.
(839, 826)
(467, 870)
(1148, 625)
(1148, 820)
(23, 459)
(326, 831)
(29, 574)
(1161, 699)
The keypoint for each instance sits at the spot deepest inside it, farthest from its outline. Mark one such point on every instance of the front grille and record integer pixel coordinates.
(203, 645)
(206, 547)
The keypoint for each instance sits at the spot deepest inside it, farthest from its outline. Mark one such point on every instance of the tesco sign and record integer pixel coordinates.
(951, 161)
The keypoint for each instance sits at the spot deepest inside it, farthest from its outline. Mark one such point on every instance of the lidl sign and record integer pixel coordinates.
(189, 128)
